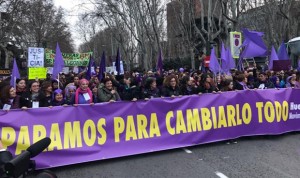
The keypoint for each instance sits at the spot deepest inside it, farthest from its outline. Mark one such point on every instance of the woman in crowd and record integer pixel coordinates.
(207, 84)
(107, 93)
(151, 90)
(83, 94)
(21, 86)
(241, 82)
(171, 86)
(9, 97)
(297, 83)
(129, 91)
(69, 92)
(46, 94)
(188, 86)
(31, 98)
(58, 98)
(276, 81)
(227, 85)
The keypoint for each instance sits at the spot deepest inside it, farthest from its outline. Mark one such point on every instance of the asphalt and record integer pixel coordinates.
(261, 156)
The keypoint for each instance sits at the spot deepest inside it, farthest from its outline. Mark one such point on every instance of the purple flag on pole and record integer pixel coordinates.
(214, 64)
(15, 74)
(282, 53)
(59, 63)
(118, 62)
(102, 68)
(273, 57)
(230, 60)
(159, 66)
(254, 45)
(224, 59)
(89, 70)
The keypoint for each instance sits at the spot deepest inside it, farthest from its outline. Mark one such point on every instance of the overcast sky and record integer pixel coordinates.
(73, 8)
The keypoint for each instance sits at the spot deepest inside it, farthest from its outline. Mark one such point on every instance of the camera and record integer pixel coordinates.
(22, 164)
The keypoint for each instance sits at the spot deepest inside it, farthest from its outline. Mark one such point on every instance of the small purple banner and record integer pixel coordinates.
(109, 130)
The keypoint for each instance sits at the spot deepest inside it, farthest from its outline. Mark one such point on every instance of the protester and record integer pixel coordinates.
(21, 86)
(46, 94)
(151, 90)
(107, 93)
(129, 91)
(69, 92)
(171, 86)
(58, 98)
(263, 82)
(83, 94)
(31, 98)
(207, 84)
(297, 82)
(9, 97)
(241, 83)
(227, 85)
(188, 86)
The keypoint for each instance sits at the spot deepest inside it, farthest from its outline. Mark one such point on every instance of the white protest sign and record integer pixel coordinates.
(121, 68)
(35, 57)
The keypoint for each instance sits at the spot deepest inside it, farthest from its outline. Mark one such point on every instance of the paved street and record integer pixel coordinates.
(272, 156)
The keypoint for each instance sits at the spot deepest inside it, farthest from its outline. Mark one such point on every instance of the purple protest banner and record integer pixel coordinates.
(109, 130)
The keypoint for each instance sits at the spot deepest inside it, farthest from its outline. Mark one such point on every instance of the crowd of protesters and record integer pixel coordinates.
(74, 89)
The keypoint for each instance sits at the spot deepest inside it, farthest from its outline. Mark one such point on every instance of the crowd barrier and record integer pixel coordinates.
(109, 130)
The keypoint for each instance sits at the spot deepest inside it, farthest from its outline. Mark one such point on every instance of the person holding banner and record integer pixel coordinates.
(171, 86)
(69, 92)
(31, 98)
(263, 82)
(83, 94)
(46, 94)
(297, 83)
(151, 90)
(58, 98)
(107, 93)
(9, 98)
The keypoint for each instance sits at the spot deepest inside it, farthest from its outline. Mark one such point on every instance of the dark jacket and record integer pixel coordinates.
(148, 93)
(169, 91)
(14, 105)
(104, 95)
(267, 84)
(27, 99)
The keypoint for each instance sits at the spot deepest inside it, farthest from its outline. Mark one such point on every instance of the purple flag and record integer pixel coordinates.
(214, 64)
(254, 45)
(89, 70)
(282, 53)
(273, 57)
(102, 68)
(230, 60)
(59, 63)
(15, 74)
(224, 59)
(159, 66)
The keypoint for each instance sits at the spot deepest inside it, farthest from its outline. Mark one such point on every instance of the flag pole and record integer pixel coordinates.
(15, 80)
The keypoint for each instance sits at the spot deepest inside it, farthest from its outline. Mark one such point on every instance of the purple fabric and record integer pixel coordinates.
(102, 68)
(282, 53)
(229, 62)
(59, 63)
(118, 62)
(224, 59)
(15, 74)
(254, 45)
(273, 57)
(159, 66)
(214, 64)
(89, 70)
(110, 130)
